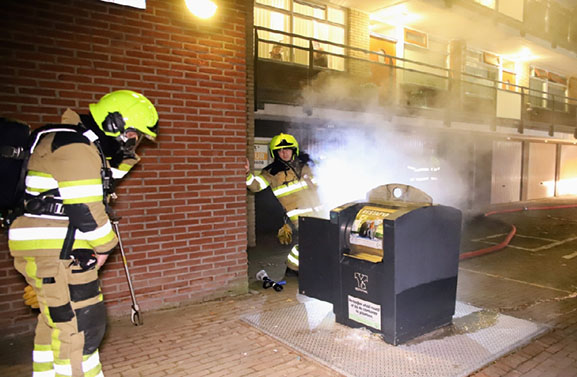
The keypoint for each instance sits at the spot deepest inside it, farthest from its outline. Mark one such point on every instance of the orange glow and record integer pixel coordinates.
(567, 186)
(564, 187)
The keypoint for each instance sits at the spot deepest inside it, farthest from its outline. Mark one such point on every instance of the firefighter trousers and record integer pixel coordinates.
(72, 318)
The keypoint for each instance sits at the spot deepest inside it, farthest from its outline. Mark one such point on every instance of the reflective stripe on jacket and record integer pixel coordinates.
(298, 196)
(71, 164)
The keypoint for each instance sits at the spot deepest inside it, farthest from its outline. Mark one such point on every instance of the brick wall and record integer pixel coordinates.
(184, 205)
(251, 214)
(358, 36)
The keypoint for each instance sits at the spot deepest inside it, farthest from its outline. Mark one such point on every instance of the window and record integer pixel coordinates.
(416, 38)
(491, 59)
(537, 92)
(509, 80)
(275, 47)
(336, 15)
(310, 9)
(480, 76)
(508, 75)
(509, 65)
(310, 23)
(281, 4)
(556, 97)
(425, 75)
(547, 90)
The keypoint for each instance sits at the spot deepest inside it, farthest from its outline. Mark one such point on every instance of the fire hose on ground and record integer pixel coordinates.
(511, 234)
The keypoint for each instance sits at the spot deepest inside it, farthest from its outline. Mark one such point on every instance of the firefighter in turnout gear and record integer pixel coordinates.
(65, 235)
(291, 180)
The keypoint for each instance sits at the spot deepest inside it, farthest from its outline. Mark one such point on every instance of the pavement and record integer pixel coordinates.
(533, 278)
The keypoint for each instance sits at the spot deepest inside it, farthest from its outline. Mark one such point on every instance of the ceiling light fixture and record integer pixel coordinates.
(524, 55)
(397, 15)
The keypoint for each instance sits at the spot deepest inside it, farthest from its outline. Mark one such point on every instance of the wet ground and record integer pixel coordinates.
(533, 278)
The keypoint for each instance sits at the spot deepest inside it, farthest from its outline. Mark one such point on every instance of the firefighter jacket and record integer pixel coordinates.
(69, 165)
(293, 185)
(119, 164)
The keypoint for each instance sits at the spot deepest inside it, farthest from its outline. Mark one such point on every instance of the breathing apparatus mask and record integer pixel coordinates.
(129, 141)
(125, 117)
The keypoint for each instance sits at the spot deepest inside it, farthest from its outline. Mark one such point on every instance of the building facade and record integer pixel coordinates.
(471, 101)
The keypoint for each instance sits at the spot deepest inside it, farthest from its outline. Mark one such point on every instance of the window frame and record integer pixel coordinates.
(548, 81)
(292, 15)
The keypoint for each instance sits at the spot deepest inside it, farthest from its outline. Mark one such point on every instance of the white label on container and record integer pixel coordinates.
(365, 312)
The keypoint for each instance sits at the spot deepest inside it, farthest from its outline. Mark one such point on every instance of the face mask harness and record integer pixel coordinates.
(128, 143)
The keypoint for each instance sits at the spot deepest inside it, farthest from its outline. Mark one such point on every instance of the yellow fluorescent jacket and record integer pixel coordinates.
(297, 196)
(74, 169)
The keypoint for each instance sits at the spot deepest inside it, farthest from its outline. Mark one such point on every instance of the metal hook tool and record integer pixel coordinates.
(135, 317)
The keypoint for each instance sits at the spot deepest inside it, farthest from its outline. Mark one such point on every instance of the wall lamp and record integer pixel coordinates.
(201, 8)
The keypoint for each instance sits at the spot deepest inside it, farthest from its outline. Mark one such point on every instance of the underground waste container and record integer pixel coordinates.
(389, 263)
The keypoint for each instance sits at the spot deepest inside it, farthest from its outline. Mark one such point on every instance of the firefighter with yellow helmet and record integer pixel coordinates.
(65, 235)
(292, 182)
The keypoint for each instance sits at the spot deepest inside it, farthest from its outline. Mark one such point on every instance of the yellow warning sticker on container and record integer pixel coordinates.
(365, 312)
(367, 229)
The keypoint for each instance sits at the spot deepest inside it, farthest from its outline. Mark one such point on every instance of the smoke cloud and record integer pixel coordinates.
(370, 149)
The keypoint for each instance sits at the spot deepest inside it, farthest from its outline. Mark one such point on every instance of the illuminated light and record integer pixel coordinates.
(398, 15)
(487, 3)
(564, 187)
(567, 186)
(550, 187)
(524, 55)
(417, 170)
(201, 8)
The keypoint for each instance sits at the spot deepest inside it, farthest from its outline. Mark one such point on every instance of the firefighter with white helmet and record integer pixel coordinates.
(292, 182)
(65, 235)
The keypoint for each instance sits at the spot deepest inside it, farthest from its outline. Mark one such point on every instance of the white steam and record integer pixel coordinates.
(366, 151)
(363, 159)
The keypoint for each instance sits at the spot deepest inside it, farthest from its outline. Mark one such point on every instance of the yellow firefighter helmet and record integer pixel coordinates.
(282, 141)
(124, 109)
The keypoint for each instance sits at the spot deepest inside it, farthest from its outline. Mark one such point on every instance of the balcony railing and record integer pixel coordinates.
(321, 73)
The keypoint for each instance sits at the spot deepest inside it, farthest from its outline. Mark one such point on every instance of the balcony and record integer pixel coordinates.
(361, 80)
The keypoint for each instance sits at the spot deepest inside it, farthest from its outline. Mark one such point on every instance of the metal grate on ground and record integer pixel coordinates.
(475, 339)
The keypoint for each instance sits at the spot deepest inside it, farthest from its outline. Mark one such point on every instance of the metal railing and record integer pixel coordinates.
(401, 84)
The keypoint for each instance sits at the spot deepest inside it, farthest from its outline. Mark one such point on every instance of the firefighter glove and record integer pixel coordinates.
(83, 258)
(30, 297)
(285, 235)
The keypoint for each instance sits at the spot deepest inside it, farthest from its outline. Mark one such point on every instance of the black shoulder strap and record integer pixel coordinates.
(105, 171)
